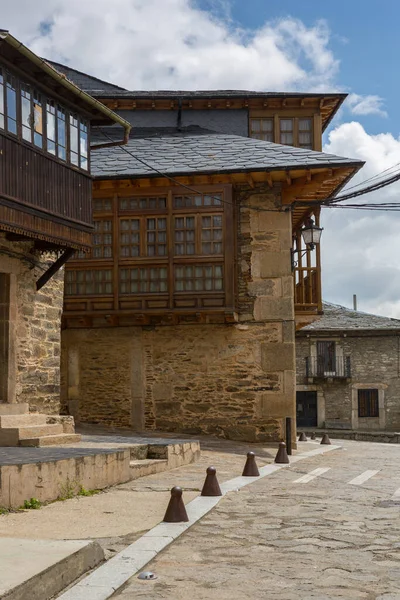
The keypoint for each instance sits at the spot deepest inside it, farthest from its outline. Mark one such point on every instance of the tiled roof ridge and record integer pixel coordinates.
(360, 312)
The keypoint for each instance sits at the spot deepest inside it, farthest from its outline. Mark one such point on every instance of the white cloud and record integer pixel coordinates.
(360, 249)
(366, 105)
(173, 44)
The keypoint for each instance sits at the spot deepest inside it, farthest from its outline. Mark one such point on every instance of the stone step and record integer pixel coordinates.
(51, 440)
(16, 408)
(148, 466)
(7, 421)
(11, 436)
(39, 431)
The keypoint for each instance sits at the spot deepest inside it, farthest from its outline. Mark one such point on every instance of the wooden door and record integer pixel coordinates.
(306, 409)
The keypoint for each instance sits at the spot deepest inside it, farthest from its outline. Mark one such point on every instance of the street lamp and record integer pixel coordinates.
(311, 234)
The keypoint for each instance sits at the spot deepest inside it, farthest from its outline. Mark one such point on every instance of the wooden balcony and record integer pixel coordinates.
(42, 198)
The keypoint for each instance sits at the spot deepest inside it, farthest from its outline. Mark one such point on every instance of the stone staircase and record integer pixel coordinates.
(19, 427)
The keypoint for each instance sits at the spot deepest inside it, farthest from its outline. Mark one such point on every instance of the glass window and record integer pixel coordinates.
(199, 278)
(1, 99)
(83, 145)
(262, 129)
(87, 283)
(73, 140)
(37, 120)
(26, 112)
(102, 205)
(286, 129)
(102, 239)
(143, 280)
(156, 237)
(61, 134)
(51, 127)
(211, 235)
(11, 104)
(137, 203)
(185, 236)
(129, 237)
(305, 133)
(198, 201)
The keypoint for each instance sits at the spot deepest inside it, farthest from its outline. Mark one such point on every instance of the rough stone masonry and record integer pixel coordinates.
(30, 323)
(234, 380)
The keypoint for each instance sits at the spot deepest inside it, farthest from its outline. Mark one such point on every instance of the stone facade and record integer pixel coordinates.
(235, 380)
(30, 333)
(375, 364)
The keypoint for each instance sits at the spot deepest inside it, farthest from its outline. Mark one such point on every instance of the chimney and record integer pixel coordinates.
(354, 301)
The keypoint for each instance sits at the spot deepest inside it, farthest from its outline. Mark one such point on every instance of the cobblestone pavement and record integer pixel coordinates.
(288, 536)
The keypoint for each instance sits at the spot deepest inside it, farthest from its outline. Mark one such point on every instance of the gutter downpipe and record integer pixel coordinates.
(73, 88)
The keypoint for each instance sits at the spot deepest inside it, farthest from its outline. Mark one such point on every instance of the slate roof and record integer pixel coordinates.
(338, 317)
(197, 151)
(211, 94)
(88, 83)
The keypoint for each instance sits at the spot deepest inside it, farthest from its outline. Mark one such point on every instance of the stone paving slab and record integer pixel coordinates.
(281, 540)
(103, 582)
(51, 566)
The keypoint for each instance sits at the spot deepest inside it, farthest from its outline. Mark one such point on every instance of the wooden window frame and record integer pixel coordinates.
(36, 93)
(276, 118)
(106, 207)
(368, 407)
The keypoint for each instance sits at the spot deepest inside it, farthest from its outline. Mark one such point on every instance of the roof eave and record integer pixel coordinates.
(355, 165)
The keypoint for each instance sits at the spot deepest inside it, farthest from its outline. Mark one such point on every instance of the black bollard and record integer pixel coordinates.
(250, 468)
(325, 439)
(176, 511)
(281, 456)
(211, 485)
(302, 437)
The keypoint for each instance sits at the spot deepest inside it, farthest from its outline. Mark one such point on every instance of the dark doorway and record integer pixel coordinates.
(4, 335)
(306, 409)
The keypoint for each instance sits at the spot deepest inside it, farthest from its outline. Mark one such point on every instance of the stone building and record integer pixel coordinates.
(182, 316)
(45, 216)
(348, 371)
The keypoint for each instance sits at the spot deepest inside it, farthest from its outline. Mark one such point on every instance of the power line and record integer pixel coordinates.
(187, 187)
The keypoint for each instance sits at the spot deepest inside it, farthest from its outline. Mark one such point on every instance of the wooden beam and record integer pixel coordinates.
(250, 180)
(302, 188)
(288, 178)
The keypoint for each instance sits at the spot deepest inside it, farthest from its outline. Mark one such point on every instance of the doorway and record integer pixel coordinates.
(5, 285)
(306, 409)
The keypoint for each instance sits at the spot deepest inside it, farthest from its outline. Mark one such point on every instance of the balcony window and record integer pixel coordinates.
(286, 132)
(11, 98)
(36, 119)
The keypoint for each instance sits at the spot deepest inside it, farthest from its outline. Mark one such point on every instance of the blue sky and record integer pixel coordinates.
(364, 37)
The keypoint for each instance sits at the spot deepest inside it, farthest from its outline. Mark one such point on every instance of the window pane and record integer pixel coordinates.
(256, 125)
(11, 104)
(37, 120)
(26, 115)
(83, 145)
(61, 134)
(73, 140)
(286, 124)
(304, 124)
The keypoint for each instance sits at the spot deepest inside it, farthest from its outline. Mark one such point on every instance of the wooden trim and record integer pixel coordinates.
(28, 208)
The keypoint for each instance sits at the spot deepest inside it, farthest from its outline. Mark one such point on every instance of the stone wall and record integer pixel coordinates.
(235, 380)
(375, 363)
(34, 337)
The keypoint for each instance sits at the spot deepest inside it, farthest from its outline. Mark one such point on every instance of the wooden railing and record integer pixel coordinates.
(307, 290)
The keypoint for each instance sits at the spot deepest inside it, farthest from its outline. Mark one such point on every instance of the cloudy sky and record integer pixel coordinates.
(288, 45)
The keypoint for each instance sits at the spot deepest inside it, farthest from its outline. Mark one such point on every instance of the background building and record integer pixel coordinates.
(348, 371)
